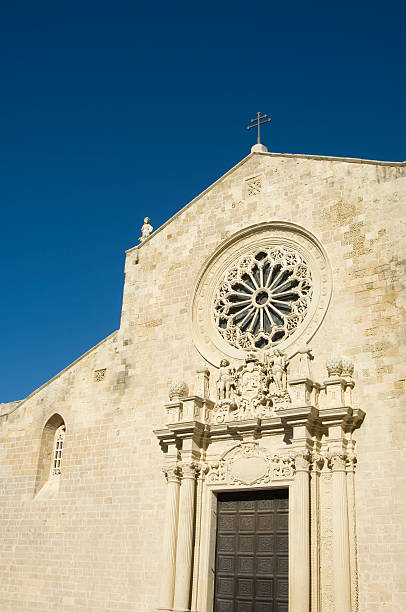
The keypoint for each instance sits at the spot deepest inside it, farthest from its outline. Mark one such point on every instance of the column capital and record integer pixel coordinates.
(189, 469)
(337, 461)
(317, 462)
(203, 469)
(171, 473)
(302, 461)
(351, 462)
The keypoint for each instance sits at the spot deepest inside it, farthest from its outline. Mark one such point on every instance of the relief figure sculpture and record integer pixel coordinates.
(277, 366)
(225, 382)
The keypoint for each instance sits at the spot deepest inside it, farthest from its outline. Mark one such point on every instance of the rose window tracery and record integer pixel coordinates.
(262, 299)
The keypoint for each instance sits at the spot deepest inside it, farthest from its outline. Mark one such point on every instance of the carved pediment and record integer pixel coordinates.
(249, 464)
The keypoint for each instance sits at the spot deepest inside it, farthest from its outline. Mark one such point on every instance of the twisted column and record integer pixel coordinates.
(184, 551)
(167, 579)
(341, 551)
(300, 539)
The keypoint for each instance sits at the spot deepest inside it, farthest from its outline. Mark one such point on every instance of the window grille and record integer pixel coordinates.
(58, 448)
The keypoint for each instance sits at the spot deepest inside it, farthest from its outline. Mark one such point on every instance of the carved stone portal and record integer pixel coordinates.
(263, 432)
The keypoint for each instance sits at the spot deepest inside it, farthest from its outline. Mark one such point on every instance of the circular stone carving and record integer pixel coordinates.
(263, 297)
(269, 285)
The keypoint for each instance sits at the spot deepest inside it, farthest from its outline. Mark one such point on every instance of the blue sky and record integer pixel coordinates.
(110, 111)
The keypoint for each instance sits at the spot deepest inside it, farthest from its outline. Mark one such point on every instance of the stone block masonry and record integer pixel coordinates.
(91, 541)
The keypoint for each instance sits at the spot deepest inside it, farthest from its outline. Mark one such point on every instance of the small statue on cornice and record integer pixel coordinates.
(146, 230)
(225, 383)
(278, 372)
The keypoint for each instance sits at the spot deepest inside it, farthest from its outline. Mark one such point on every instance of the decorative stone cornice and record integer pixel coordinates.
(349, 418)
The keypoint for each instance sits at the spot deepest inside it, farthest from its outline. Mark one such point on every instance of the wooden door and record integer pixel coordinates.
(252, 552)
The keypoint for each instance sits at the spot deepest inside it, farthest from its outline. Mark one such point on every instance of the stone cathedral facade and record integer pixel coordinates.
(238, 444)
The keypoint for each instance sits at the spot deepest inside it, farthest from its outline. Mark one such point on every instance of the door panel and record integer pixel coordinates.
(252, 552)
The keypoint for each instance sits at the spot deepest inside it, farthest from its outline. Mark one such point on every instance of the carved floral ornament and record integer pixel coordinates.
(267, 286)
(249, 463)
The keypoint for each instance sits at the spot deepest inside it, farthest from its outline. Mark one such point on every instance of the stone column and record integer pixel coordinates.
(184, 551)
(167, 576)
(341, 551)
(196, 560)
(317, 464)
(352, 531)
(300, 540)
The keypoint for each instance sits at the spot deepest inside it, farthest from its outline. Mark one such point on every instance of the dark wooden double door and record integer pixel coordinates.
(252, 552)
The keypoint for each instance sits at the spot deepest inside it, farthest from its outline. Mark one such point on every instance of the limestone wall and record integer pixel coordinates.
(94, 544)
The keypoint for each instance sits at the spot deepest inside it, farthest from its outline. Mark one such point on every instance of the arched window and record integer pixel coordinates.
(50, 459)
(58, 448)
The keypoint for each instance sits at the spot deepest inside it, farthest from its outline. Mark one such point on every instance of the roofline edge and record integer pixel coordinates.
(349, 160)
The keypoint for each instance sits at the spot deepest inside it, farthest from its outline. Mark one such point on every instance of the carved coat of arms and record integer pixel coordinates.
(254, 390)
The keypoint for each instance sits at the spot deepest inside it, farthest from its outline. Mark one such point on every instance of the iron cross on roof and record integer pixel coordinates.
(257, 123)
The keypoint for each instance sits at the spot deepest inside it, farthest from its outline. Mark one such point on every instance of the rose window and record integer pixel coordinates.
(263, 298)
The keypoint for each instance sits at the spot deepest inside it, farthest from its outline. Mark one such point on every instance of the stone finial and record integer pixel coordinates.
(347, 367)
(259, 148)
(146, 230)
(334, 366)
(177, 389)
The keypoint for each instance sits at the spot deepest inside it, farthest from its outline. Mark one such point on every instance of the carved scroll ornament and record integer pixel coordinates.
(249, 464)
